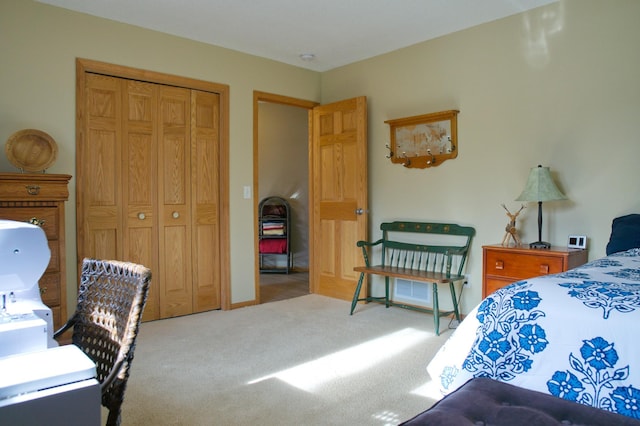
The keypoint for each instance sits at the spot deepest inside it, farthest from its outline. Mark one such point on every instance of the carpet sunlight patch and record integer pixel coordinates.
(310, 375)
(429, 390)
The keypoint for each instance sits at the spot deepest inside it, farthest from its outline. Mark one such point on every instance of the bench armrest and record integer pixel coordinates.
(363, 243)
(366, 246)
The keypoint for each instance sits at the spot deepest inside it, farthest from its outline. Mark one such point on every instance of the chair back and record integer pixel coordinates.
(111, 299)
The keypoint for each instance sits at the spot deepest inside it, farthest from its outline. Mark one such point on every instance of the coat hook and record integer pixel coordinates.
(433, 158)
(407, 161)
(390, 152)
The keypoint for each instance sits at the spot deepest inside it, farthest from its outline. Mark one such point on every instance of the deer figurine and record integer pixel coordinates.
(511, 231)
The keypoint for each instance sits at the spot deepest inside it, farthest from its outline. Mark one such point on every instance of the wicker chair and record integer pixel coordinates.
(111, 298)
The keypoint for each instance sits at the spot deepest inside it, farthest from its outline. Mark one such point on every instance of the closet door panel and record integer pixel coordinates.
(140, 153)
(176, 288)
(102, 243)
(205, 204)
(99, 173)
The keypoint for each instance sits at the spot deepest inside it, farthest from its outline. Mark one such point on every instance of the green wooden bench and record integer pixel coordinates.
(425, 261)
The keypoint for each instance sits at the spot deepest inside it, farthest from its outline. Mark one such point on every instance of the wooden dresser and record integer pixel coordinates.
(504, 265)
(40, 198)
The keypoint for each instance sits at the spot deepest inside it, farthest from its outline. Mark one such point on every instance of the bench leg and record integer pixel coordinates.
(354, 302)
(436, 309)
(386, 291)
(455, 302)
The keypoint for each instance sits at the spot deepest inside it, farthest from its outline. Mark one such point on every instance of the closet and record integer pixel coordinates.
(148, 187)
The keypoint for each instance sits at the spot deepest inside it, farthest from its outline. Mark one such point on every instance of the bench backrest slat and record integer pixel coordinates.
(400, 251)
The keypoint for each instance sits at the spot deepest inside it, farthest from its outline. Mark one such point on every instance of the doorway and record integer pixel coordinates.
(281, 169)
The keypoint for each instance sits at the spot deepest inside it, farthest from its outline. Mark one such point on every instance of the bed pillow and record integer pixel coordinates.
(625, 233)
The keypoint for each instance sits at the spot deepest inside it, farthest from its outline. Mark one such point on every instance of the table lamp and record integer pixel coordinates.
(540, 187)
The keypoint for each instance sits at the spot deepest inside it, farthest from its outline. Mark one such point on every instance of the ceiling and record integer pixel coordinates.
(336, 32)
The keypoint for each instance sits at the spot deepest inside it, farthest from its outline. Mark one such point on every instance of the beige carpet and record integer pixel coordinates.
(302, 361)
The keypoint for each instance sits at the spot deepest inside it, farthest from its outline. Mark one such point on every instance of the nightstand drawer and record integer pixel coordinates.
(503, 265)
(519, 266)
(493, 284)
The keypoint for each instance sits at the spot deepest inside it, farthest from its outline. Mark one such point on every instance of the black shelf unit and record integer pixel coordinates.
(274, 234)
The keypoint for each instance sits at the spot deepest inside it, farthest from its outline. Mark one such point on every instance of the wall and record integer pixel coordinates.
(284, 170)
(39, 45)
(556, 86)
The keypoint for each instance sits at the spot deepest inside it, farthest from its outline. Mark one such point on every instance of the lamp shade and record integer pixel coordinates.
(540, 187)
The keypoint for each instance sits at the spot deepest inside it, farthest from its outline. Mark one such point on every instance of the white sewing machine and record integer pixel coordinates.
(26, 324)
(40, 382)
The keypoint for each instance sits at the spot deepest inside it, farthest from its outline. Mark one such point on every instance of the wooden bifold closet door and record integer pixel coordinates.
(148, 188)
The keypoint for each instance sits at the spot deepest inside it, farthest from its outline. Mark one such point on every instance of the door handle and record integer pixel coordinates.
(359, 211)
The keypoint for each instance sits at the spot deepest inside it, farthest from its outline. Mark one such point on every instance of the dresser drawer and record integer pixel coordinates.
(502, 266)
(22, 187)
(518, 266)
(48, 217)
(50, 289)
(54, 260)
(493, 284)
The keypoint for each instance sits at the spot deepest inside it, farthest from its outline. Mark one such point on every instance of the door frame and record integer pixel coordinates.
(258, 97)
(84, 66)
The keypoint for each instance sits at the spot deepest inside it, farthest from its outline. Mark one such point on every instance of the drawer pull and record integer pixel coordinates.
(544, 269)
(33, 189)
(499, 264)
(43, 290)
(141, 216)
(36, 221)
(175, 215)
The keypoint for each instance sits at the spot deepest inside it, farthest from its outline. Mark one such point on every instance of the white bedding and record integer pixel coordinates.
(575, 335)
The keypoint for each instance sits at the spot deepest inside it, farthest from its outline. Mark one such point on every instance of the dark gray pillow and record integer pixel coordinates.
(625, 233)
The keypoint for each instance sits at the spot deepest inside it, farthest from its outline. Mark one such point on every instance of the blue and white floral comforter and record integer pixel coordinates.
(575, 335)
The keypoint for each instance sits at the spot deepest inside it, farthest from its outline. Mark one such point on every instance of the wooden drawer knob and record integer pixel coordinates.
(544, 269)
(499, 264)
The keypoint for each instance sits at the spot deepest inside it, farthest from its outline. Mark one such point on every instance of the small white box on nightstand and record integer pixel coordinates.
(577, 242)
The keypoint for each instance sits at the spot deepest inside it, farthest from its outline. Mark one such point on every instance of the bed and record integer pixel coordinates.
(574, 335)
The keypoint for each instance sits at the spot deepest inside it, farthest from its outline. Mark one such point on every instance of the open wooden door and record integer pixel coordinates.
(338, 134)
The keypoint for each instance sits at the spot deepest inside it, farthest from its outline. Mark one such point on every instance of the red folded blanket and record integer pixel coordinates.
(273, 246)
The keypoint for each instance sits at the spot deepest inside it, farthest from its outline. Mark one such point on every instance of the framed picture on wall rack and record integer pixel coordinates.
(425, 140)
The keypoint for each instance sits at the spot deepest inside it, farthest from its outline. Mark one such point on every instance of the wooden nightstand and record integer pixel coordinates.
(504, 265)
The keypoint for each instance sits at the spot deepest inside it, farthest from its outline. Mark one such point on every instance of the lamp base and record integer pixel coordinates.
(540, 245)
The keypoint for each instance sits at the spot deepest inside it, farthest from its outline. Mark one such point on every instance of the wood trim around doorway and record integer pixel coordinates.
(276, 99)
(84, 66)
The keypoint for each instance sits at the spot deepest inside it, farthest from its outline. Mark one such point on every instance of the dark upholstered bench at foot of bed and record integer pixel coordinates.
(483, 401)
